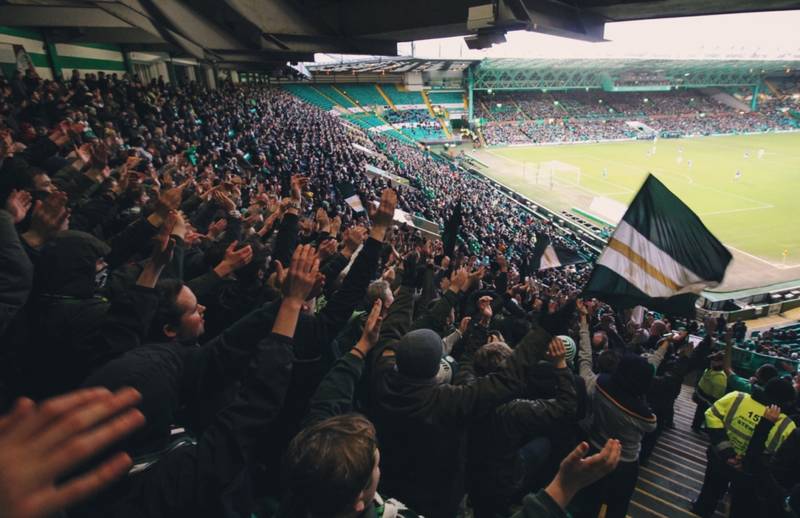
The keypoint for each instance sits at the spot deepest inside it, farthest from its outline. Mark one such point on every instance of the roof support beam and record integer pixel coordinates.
(54, 16)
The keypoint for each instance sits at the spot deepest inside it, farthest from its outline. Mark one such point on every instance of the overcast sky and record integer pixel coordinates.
(772, 35)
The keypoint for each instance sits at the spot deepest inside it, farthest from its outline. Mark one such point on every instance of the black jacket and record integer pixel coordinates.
(422, 426)
(211, 478)
(494, 468)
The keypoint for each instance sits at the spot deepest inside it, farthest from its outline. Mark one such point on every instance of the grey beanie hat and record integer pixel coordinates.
(419, 353)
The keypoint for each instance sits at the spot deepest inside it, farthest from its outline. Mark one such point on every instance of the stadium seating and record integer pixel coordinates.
(424, 132)
(311, 95)
(446, 97)
(333, 94)
(365, 94)
(515, 118)
(364, 120)
(403, 97)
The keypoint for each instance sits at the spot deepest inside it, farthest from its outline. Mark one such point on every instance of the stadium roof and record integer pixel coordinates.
(251, 33)
(394, 65)
(670, 66)
(624, 74)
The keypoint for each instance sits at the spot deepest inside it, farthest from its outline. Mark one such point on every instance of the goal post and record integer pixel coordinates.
(555, 172)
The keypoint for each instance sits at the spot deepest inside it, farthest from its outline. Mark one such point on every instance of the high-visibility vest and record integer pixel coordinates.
(713, 384)
(738, 414)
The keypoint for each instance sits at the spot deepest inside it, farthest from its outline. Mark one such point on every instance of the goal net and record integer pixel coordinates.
(552, 173)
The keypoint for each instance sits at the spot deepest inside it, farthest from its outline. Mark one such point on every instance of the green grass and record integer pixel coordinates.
(757, 214)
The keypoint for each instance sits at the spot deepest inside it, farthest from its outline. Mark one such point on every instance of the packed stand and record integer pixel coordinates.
(532, 117)
(195, 322)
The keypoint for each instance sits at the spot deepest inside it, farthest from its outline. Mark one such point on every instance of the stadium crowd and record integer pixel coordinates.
(197, 319)
(528, 117)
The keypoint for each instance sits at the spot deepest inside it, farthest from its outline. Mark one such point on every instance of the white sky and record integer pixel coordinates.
(771, 35)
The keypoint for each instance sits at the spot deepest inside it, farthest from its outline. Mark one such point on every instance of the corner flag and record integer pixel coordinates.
(660, 255)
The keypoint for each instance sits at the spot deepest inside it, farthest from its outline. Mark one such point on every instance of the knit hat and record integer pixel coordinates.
(418, 354)
(634, 374)
(569, 345)
(779, 391)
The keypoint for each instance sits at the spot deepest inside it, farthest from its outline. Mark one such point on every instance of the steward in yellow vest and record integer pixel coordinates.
(731, 421)
(710, 388)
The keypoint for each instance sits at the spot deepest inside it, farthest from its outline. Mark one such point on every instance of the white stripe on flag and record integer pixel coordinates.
(650, 269)
(355, 203)
(549, 258)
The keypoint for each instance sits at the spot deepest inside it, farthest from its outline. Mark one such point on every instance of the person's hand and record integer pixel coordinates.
(234, 259)
(98, 155)
(268, 224)
(132, 161)
(389, 275)
(372, 329)
(168, 200)
(458, 280)
(18, 204)
(163, 247)
(217, 228)
(577, 472)
(485, 309)
(327, 248)
(49, 217)
(474, 278)
(42, 443)
(557, 353)
(193, 237)
(336, 224)
(223, 201)
(298, 183)
(772, 413)
(316, 289)
(121, 185)
(323, 221)
(58, 137)
(302, 274)
(180, 229)
(382, 218)
(464, 325)
(583, 310)
(164, 244)
(253, 217)
(84, 153)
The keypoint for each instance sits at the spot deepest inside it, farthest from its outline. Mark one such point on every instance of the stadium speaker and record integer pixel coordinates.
(485, 39)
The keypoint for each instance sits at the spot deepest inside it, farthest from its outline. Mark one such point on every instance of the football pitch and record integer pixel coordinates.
(754, 211)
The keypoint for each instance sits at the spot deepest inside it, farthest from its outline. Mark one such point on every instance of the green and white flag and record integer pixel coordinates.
(660, 255)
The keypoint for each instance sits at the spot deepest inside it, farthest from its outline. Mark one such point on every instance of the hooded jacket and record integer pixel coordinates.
(617, 406)
(75, 329)
(495, 470)
(422, 425)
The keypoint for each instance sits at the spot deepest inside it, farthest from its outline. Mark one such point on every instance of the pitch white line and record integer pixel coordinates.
(729, 211)
(761, 259)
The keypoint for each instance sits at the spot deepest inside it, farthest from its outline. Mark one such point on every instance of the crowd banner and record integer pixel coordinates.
(429, 228)
(393, 178)
(364, 149)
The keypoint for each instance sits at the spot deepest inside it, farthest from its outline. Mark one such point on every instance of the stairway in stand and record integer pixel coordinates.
(673, 476)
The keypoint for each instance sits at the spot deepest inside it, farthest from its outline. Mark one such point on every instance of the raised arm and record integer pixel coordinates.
(334, 396)
(585, 348)
(532, 416)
